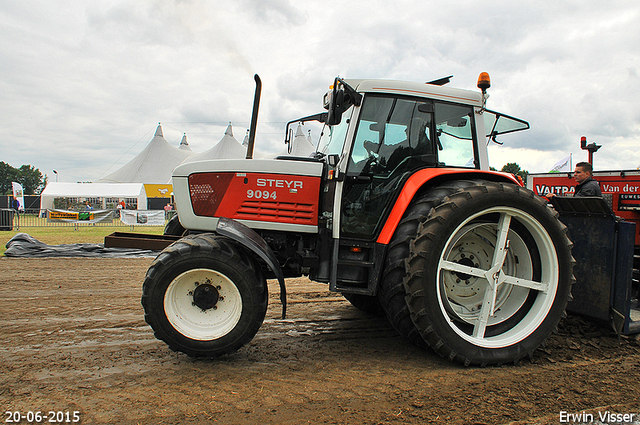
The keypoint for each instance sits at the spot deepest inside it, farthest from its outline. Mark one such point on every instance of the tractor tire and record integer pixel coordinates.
(391, 292)
(489, 275)
(174, 228)
(204, 296)
(369, 304)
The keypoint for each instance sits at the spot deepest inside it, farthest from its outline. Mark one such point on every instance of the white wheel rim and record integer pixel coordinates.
(498, 283)
(197, 323)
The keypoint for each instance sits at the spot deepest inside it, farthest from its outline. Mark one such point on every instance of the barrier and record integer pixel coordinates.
(12, 220)
(6, 219)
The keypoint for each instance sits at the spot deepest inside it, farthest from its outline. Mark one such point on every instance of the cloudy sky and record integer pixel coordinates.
(83, 85)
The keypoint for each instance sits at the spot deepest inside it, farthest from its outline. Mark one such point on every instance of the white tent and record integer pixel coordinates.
(245, 141)
(92, 190)
(227, 148)
(256, 153)
(184, 146)
(300, 145)
(153, 165)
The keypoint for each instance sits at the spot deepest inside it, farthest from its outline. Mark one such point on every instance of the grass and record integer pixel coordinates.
(68, 235)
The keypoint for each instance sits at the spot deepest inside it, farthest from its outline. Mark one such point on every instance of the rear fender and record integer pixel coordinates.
(429, 176)
(254, 242)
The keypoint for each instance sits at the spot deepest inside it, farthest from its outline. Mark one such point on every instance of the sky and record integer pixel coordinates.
(83, 85)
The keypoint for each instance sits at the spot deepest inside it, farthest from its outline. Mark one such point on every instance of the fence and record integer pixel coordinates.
(12, 220)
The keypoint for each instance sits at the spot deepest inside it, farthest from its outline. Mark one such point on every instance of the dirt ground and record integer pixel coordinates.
(74, 340)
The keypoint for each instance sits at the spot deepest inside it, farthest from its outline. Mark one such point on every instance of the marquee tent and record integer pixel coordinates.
(227, 148)
(300, 146)
(184, 146)
(153, 165)
(92, 190)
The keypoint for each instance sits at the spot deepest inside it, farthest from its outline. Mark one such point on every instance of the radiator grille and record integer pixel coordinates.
(276, 211)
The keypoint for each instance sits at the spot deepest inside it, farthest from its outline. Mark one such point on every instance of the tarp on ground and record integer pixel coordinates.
(24, 245)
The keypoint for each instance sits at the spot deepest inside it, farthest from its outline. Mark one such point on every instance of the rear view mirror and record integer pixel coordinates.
(341, 97)
(336, 106)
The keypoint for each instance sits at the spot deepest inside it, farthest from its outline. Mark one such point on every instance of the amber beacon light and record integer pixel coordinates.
(484, 81)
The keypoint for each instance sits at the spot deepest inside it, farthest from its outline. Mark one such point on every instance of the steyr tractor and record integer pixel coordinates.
(397, 210)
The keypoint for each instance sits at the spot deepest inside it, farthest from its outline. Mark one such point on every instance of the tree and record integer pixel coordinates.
(514, 169)
(8, 174)
(31, 179)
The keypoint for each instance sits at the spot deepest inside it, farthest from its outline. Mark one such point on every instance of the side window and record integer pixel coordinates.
(455, 133)
(370, 134)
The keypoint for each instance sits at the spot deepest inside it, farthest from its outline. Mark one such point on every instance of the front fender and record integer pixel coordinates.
(421, 178)
(248, 238)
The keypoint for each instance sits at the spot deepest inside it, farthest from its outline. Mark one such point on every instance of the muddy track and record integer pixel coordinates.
(74, 339)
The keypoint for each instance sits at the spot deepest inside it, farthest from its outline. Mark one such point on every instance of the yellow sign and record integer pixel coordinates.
(158, 190)
(70, 215)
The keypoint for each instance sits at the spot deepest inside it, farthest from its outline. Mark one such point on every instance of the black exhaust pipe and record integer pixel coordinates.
(254, 117)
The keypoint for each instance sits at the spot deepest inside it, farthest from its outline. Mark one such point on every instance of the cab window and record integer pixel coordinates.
(390, 131)
(455, 135)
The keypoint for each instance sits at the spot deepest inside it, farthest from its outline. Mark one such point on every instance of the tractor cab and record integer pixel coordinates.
(378, 134)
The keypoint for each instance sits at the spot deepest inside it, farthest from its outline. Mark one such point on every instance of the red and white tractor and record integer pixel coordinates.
(397, 210)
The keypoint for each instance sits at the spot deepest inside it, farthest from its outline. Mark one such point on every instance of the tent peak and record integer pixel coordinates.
(229, 130)
(183, 142)
(159, 131)
(245, 142)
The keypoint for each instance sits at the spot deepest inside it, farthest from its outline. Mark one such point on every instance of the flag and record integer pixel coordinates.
(18, 193)
(563, 165)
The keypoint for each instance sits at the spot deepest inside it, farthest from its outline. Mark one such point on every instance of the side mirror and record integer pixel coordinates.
(341, 99)
(334, 115)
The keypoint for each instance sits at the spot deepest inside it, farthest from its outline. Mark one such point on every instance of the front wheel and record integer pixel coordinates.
(489, 275)
(204, 297)
(174, 228)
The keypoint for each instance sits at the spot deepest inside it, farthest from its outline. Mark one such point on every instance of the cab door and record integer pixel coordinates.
(393, 136)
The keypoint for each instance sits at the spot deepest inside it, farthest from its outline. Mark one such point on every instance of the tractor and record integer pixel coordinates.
(396, 210)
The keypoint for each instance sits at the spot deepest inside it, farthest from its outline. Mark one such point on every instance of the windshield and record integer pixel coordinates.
(332, 137)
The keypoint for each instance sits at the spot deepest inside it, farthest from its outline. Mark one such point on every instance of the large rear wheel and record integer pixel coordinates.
(391, 292)
(204, 296)
(367, 303)
(489, 275)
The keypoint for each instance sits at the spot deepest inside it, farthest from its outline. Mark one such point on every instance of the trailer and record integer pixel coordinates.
(606, 244)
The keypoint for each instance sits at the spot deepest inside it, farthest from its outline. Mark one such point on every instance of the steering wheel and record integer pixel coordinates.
(371, 147)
